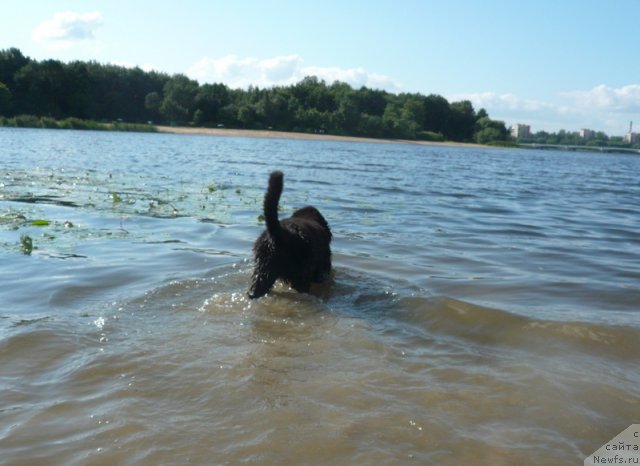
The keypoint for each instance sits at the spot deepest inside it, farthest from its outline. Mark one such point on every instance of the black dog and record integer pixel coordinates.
(295, 250)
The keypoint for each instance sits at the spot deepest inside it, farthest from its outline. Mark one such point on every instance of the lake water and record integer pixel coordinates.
(485, 307)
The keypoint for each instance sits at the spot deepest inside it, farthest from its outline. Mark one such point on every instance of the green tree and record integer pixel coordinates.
(314, 93)
(246, 115)
(371, 125)
(413, 108)
(108, 92)
(198, 117)
(5, 100)
(209, 100)
(488, 130)
(179, 99)
(11, 60)
(462, 120)
(489, 134)
(228, 115)
(119, 92)
(272, 109)
(41, 89)
(372, 101)
(152, 101)
(396, 125)
(348, 112)
(482, 113)
(436, 114)
(77, 88)
(600, 140)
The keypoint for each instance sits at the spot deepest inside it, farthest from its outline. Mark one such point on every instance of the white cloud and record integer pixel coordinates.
(625, 99)
(356, 77)
(243, 72)
(66, 28)
(280, 68)
(277, 71)
(497, 101)
(602, 108)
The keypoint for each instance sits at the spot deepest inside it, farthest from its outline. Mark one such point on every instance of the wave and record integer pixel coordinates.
(394, 306)
(400, 308)
(488, 326)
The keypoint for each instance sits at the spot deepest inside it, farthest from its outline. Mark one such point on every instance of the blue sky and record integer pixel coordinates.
(551, 64)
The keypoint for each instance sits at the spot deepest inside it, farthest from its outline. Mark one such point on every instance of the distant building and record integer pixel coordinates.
(631, 137)
(587, 134)
(520, 131)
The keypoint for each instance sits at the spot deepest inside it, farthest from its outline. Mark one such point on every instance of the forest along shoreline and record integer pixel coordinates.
(310, 136)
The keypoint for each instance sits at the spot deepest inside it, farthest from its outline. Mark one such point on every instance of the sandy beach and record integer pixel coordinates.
(291, 135)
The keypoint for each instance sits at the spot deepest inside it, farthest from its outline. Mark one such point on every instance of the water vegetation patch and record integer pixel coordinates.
(44, 206)
(26, 244)
(32, 121)
(40, 222)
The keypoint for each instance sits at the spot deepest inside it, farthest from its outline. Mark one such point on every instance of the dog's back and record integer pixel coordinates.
(296, 249)
(307, 218)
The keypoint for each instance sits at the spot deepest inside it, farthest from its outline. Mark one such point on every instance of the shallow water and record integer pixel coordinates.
(485, 307)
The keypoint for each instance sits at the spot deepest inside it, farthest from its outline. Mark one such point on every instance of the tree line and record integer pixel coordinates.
(566, 138)
(104, 92)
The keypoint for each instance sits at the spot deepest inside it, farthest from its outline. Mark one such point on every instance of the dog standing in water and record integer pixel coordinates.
(295, 250)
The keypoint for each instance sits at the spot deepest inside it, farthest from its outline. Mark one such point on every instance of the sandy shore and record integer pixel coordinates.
(291, 135)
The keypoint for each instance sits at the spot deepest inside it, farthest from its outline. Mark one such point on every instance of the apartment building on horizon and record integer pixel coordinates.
(586, 134)
(520, 131)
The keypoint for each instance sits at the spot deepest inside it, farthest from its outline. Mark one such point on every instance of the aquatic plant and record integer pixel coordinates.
(40, 223)
(26, 244)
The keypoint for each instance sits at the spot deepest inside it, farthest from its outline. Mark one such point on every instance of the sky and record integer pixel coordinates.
(551, 64)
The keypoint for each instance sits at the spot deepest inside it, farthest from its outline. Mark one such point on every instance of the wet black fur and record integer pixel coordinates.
(295, 249)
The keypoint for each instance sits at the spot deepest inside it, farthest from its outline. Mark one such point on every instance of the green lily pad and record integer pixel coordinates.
(40, 223)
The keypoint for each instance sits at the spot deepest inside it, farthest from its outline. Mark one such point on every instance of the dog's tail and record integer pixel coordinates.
(271, 199)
